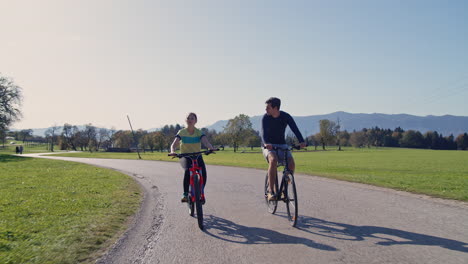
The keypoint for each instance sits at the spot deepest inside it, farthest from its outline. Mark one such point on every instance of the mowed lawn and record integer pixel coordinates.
(61, 212)
(437, 173)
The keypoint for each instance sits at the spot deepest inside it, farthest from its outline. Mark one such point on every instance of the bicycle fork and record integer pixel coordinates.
(201, 184)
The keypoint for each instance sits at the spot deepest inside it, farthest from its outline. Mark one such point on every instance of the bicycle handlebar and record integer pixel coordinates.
(181, 155)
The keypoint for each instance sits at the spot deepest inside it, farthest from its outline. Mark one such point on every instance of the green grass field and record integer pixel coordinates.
(61, 212)
(437, 173)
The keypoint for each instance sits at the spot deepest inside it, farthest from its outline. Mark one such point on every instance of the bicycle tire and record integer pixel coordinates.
(191, 206)
(198, 204)
(291, 199)
(271, 205)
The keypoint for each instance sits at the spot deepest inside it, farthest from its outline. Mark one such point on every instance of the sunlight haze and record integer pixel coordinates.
(96, 62)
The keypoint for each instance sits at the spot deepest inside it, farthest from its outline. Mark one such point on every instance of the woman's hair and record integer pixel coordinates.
(192, 114)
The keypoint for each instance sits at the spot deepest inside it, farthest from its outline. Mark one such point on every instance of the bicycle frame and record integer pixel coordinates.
(196, 170)
(286, 171)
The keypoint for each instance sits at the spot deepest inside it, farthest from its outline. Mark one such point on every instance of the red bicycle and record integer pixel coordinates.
(196, 195)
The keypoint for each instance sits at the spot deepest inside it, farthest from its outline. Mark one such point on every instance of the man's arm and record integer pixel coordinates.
(293, 126)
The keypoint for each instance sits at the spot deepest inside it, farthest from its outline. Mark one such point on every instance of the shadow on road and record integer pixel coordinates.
(388, 236)
(229, 231)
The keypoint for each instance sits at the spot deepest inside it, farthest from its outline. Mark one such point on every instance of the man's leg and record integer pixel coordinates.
(272, 170)
(292, 165)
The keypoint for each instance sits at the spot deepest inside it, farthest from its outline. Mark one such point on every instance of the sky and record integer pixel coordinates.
(97, 61)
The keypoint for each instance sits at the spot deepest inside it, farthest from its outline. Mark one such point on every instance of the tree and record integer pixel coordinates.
(25, 133)
(221, 140)
(344, 137)
(462, 141)
(328, 131)
(237, 129)
(358, 139)
(10, 102)
(52, 136)
(102, 136)
(314, 140)
(253, 139)
(160, 141)
(123, 139)
(412, 139)
(90, 137)
(69, 135)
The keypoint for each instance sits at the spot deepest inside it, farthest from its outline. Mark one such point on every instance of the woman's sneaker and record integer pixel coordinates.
(184, 197)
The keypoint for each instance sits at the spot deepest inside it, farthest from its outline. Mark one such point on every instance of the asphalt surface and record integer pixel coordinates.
(339, 222)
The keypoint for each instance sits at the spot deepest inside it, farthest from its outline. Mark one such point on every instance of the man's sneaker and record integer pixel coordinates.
(271, 197)
(184, 198)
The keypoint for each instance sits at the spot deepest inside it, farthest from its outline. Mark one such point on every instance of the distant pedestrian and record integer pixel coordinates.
(21, 149)
(17, 149)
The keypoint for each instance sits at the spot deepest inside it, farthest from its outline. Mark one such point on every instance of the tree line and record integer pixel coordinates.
(237, 133)
(330, 134)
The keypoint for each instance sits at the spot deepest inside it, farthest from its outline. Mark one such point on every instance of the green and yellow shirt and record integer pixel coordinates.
(190, 142)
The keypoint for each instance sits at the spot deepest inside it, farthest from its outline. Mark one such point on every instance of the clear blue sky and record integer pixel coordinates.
(97, 61)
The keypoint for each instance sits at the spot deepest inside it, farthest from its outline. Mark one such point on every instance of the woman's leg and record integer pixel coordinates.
(186, 183)
(201, 164)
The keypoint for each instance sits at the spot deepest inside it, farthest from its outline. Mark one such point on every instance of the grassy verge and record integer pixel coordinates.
(60, 212)
(437, 173)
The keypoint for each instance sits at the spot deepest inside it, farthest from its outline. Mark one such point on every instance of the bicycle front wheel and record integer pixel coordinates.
(271, 205)
(198, 204)
(291, 198)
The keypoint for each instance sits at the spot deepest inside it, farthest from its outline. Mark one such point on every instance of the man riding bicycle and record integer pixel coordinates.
(274, 124)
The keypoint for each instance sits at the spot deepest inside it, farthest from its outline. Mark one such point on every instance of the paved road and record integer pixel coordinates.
(339, 222)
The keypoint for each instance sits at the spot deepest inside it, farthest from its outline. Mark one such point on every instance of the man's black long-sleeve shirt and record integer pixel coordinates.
(273, 129)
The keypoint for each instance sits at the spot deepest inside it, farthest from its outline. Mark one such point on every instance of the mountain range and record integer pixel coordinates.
(309, 125)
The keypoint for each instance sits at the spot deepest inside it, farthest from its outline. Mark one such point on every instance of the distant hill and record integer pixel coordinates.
(309, 125)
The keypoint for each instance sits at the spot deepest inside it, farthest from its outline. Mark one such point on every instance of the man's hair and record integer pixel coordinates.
(274, 102)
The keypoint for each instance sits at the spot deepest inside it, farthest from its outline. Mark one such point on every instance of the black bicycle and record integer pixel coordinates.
(196, 196)
(287, 191)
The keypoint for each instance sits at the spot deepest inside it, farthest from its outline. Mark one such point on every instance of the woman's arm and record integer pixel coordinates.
(205, 142)
(175, 144)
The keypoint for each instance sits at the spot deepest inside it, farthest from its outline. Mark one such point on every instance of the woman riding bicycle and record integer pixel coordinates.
(190, 140)
(274, 124)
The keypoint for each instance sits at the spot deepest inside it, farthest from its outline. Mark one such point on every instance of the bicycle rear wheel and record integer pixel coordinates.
(291, 198)
(271, 205)
(191, 206)
(198, 204)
